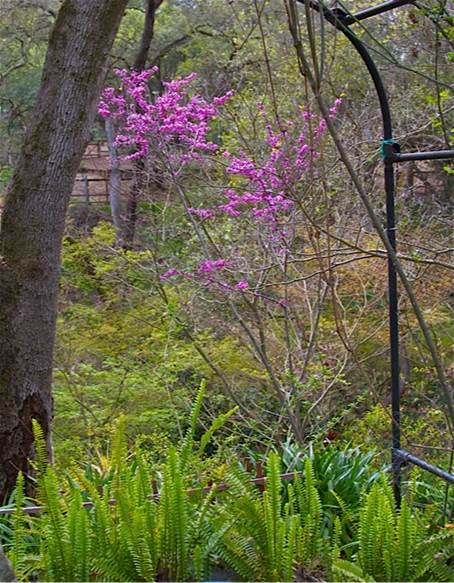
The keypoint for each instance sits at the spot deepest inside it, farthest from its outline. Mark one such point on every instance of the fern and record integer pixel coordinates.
(265, 537)
(310, 511)
(406, 536)
(188, 441)
(188, 446)
(41, 459)
(79, 539)
(347, 571)
(393, 545)
(19, 551)
(134, 539)
(55, 543)
(270, 535)
(174, 518)
(219, 422)
(273, 506)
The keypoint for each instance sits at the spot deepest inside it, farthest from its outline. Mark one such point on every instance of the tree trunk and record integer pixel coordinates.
(139, 65)
(147, 34)
(115, 181)
(33, 221)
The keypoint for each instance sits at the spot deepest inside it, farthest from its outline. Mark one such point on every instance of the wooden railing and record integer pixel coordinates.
(260, 481)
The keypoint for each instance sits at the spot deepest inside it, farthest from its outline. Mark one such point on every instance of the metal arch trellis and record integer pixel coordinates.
(391, 155)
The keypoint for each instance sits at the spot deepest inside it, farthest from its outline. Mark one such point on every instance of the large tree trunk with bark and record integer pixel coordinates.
(33, 221)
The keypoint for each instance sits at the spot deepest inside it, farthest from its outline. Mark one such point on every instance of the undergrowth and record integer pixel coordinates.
(334, 519)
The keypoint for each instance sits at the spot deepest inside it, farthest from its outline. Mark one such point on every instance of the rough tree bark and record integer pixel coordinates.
(33, 221)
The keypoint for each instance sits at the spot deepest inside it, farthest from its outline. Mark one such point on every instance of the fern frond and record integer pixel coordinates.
(219, 422)
(347, 571)
(18, 551)
(41, 459)
(188, 441)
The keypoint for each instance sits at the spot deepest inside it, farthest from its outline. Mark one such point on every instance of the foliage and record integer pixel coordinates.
(254, 268)
(394, 545)
(342, 475)
(141, 537)
(273, 532)
(123, 350)
(144, 525)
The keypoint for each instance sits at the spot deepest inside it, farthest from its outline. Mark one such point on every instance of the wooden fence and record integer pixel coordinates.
(259, 480)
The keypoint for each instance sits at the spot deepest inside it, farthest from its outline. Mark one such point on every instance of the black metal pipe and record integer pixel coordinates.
(374, 11)
(393, 300)
(434, 155)
(393, 311)
(408, 457)
(336, 19)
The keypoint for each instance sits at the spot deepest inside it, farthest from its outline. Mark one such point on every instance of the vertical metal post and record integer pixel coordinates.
(391, 155)
(336, 18)
(388, 152)
(393, 322)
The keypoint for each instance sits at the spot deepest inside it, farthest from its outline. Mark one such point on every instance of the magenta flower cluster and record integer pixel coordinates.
(207, 271)
(210, 266)
(173, 124)
(266, 187)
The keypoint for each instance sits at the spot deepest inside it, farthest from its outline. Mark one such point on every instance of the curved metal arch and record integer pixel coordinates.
(391, 155)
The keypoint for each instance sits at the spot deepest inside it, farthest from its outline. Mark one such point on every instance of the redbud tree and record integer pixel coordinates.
(247, 227)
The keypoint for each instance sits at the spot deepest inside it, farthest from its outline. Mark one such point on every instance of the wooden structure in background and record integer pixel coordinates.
(92, 181)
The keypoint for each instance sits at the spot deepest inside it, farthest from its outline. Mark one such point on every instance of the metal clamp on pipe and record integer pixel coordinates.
(389, 149)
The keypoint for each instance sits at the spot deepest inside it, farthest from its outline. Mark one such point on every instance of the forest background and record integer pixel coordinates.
(220, 399)
(293, 334)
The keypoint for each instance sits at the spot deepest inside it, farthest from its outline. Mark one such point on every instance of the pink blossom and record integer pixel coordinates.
(267, 186)
(176, 126)
(174, 123)
(202, 213)
(242, 285)
(210, 266)
(172, 272)
(334, 109)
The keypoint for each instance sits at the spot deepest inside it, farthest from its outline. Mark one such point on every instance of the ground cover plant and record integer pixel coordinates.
(144, 522)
